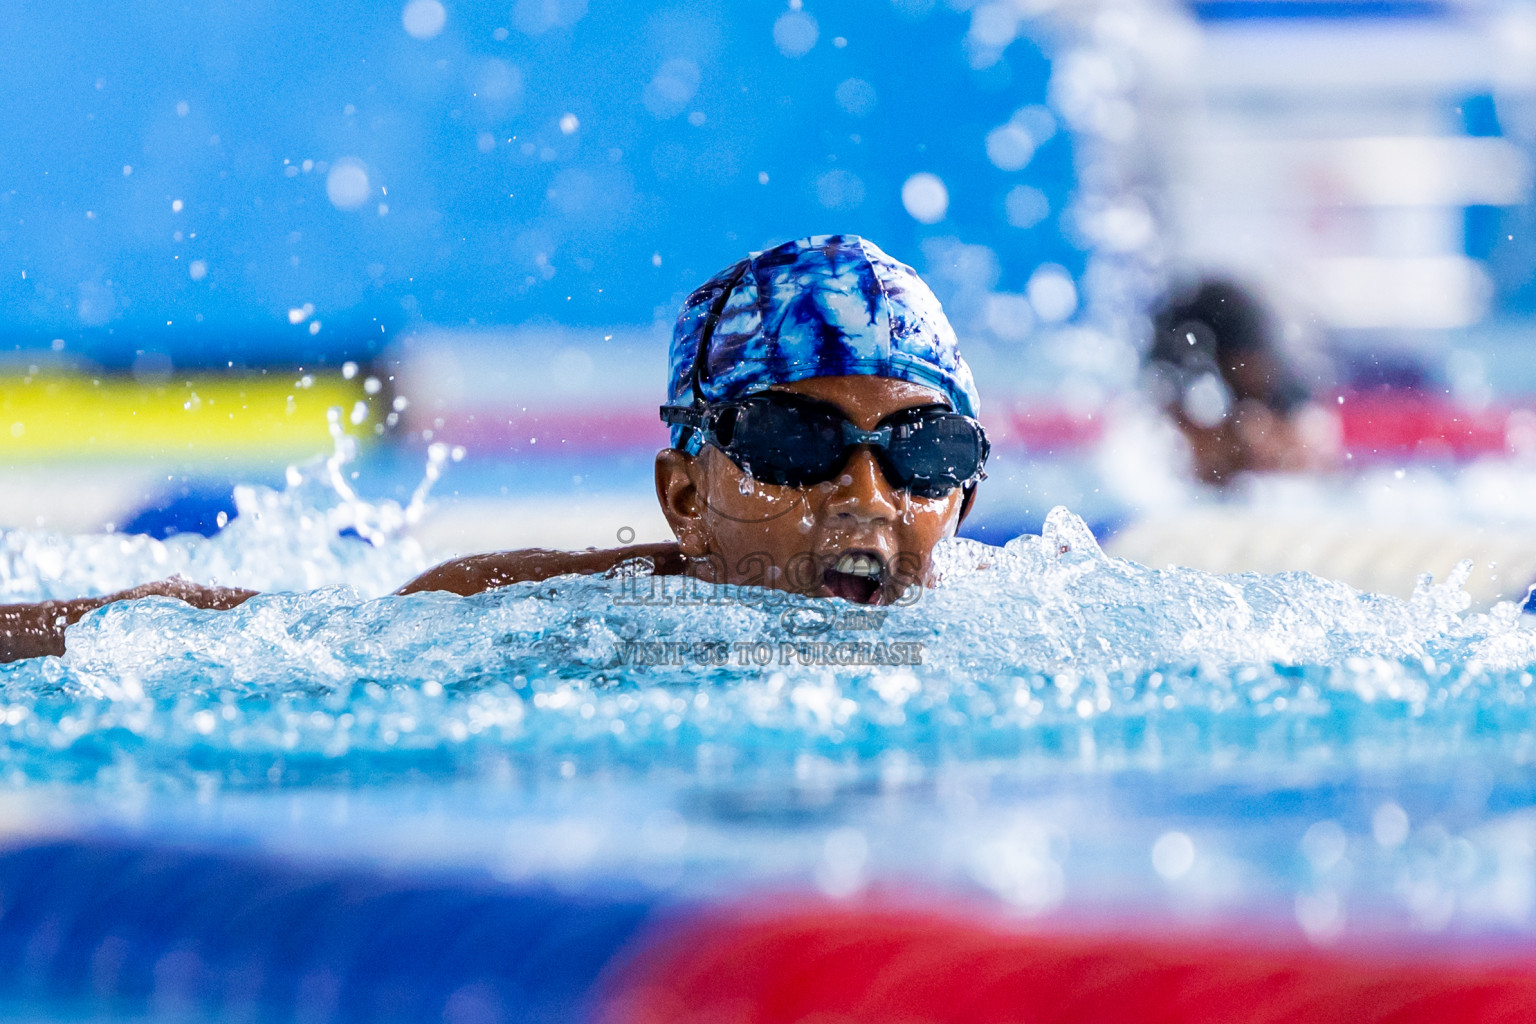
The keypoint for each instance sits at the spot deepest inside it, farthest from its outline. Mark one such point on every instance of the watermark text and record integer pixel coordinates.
(762, 653)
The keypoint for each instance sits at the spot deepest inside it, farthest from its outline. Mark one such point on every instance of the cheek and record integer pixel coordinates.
(745, 515)
(732, 495)
(743, 500)
(932, 516)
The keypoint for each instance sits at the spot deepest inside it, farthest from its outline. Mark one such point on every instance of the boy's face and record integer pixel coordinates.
(811, 539)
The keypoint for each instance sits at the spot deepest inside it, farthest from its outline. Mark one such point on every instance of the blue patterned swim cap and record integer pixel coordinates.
(826, 306)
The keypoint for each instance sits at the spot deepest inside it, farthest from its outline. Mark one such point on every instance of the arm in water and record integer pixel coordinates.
(479, 573)
(33, 630)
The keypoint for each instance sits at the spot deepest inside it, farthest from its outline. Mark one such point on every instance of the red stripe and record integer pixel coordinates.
(901, 967)
(1420, 425)
(582, 430)
(1046, 429)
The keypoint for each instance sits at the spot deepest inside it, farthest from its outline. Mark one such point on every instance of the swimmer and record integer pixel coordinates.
(1219, 375)
(824, 440)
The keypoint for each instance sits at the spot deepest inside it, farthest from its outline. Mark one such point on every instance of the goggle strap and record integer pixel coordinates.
(682, 416)
(707, 333)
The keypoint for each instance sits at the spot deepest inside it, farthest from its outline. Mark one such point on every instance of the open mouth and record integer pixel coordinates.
(856, 576)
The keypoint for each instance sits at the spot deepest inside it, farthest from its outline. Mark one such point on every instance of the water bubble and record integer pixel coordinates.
(672, 88)
(794, 33)
(1173, 855)
(347, 184)
(1052, 293)
(925, 197)
(500, 89)
(1024, 206)
(536, 17)
(1023, 867)
(994, 25)
(856, 97)
(1324, 845)
(1207, 401)
(1009, 147)
(424, 19)
(1320, 915)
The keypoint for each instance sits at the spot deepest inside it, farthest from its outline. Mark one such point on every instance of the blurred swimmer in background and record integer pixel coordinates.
(1251, 427)
(1216, 371)
(824, 440)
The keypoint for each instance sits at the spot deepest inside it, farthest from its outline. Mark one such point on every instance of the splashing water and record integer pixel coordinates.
(316, 533)
(1019, 650)
(1040, 660)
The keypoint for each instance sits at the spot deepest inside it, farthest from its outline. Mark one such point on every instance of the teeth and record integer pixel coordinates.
(858, 565)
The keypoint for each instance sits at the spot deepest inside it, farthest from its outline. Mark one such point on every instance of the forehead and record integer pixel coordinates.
(861, 397)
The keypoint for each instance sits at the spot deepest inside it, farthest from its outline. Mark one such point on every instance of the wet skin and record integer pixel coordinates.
(734, 529)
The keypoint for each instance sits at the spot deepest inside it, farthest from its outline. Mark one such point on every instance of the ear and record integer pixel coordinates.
(678, 492)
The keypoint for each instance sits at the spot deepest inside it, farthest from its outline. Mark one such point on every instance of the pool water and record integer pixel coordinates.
(1050, 730)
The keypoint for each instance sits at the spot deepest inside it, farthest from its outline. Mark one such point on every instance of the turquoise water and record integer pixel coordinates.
(1049, 727)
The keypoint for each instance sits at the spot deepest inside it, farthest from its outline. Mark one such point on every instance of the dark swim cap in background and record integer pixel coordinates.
(1218, 329)
(825, 306)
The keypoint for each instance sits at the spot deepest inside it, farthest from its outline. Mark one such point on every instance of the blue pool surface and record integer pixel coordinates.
(335, 804)
(1054, 732)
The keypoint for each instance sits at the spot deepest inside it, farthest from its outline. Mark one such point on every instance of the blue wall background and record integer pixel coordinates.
(496, 213)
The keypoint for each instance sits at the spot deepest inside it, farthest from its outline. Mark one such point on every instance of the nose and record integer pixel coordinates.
(862, 493)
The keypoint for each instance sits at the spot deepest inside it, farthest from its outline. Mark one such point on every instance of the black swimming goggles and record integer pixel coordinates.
(792, 441)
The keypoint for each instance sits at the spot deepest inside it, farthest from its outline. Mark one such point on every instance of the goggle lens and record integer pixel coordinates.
(928, 452)
(930, 455)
